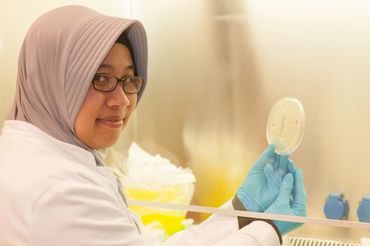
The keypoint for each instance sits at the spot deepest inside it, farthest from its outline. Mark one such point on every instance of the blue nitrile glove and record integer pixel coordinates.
(285, 205)
(262, 184)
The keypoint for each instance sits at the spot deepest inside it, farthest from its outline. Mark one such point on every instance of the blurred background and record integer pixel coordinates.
(216, 68)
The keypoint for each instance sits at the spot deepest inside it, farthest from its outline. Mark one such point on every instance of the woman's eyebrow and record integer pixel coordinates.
(103, 65)
(112, 68)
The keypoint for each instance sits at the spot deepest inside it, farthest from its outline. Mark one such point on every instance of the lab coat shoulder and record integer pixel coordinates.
(52, 193)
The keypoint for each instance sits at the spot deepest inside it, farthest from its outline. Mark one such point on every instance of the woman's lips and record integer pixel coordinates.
(113, 122)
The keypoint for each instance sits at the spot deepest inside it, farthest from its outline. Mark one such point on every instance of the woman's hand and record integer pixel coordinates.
(291, 187)
(262, 184)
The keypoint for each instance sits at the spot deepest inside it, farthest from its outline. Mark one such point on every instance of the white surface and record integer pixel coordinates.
(365, 241)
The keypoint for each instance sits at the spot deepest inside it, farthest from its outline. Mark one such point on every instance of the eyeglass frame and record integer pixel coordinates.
(122, 80)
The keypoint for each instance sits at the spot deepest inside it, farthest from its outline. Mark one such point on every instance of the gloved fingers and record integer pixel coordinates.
(269, 171)
(271, 178)
(286, 189)
(282, 164)
(300, 197)
(291, 168)
(268, 156)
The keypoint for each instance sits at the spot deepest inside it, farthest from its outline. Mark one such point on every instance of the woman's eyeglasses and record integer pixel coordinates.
(107, 82)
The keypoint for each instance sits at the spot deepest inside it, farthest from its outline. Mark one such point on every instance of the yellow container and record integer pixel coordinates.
(171, 220)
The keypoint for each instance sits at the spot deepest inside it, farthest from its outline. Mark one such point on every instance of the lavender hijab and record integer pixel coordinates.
(58, 60)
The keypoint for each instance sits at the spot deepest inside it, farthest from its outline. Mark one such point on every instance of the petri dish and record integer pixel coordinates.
(285, 125)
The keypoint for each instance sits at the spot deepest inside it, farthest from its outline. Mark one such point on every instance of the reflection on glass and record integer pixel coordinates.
(214, 80)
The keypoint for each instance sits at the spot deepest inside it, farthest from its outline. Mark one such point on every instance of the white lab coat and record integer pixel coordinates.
(52, 193)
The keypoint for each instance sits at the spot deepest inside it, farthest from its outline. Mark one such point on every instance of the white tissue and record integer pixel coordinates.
(153, 172)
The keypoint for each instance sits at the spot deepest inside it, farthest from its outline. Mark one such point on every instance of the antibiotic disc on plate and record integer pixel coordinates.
(285, 125)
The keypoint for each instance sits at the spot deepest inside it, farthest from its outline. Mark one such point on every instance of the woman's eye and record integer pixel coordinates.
(100, 78)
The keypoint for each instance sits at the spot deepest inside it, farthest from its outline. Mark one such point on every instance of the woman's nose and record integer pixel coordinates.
(118, 98)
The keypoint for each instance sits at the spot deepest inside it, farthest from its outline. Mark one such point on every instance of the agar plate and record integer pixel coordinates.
(285, 125)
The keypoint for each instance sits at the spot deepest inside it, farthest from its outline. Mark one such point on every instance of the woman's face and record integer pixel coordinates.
(103, 115)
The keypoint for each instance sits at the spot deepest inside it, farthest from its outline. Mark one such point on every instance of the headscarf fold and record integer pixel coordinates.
(59, 57)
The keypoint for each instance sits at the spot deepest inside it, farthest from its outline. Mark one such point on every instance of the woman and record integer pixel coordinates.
(80, 77)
